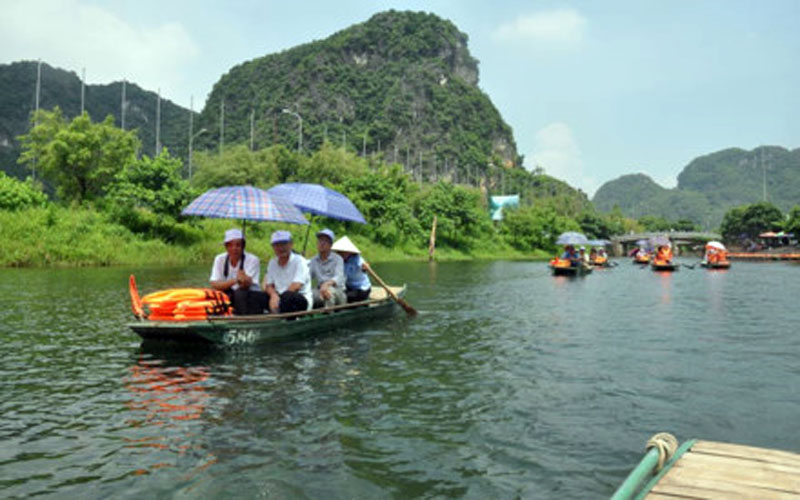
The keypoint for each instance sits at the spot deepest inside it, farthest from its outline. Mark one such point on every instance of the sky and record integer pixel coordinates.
(592, 90)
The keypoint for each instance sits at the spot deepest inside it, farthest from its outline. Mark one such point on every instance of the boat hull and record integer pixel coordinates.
(250, 330)
(716, 265)
(570, 271)
(664, 268)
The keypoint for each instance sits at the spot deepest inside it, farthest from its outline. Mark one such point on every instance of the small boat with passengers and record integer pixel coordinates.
(215, 326)
(715, 256)
(565, 267)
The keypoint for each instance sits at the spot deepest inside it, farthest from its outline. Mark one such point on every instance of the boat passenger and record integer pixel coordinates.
(584, 258)
(593, 254)
(287, 282)
(236, 272)
(357, 284)
(664, 254)
(571, 255)
(327, 270)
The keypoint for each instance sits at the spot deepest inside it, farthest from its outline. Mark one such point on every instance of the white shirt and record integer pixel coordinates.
(252, 268)
(295, 271)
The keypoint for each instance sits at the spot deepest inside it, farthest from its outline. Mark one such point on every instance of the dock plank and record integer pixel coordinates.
(707, 489)
(750, 452)
(711, 470)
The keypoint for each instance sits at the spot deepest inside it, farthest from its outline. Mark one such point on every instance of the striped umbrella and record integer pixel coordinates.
(246, 203)
(319, 200)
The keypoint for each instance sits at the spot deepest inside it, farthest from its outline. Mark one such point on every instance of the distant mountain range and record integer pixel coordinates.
(63, 88)
(709, 186)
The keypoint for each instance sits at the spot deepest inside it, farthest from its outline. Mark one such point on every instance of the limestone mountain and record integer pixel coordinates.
(402, 84)
(710, 185)
(63, 89)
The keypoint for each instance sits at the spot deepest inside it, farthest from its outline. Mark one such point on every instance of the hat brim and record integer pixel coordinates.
(345, 245)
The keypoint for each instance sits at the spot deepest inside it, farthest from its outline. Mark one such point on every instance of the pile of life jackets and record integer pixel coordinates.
(663, 256)
(717, 257)
(559, 262)
(186, 304)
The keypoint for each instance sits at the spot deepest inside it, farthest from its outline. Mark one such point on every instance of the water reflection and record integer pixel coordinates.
(163, 399)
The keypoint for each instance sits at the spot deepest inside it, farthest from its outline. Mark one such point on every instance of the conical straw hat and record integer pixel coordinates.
(344, 244)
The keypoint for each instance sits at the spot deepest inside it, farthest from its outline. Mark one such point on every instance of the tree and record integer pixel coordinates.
(751, 220)
(793, 224)
(16, 194)
(148, 195)
(238, 166)
(80, 158)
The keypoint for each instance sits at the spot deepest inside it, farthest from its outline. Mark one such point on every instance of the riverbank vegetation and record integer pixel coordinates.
(109, 205)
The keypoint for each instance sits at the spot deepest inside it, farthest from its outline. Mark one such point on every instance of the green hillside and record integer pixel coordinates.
(63, 89)
(709, 186)
(402, 84)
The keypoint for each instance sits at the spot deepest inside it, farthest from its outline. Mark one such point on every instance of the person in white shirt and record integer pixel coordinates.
(288, 281)
(236, 272)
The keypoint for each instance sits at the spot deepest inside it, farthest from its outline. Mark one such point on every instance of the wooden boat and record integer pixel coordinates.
(722, 264)
(664, 266)
(261, 328)
(711, 470)
(563, 267)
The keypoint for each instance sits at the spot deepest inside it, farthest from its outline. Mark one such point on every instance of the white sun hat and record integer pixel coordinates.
(344, 244)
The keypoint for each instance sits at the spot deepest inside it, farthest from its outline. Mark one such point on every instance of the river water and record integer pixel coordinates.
(510, 384)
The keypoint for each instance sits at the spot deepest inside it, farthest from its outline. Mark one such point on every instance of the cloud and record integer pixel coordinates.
(557, 152)
(72, 34)
(561, 27)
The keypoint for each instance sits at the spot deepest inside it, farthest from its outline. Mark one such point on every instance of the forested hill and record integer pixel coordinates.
(63, 88)
(403, 84)
(710, 185)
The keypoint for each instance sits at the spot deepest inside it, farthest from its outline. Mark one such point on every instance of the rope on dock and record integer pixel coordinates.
(666, 444)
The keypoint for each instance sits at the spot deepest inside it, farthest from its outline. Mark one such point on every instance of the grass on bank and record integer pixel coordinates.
(60, 236)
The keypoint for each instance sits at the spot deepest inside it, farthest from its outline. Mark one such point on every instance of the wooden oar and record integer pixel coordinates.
(405, 305)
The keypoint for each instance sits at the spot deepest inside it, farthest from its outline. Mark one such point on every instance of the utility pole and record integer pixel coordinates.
(252, 121)
(763, 174)
(36, 112)
(300, 120)
(221, 125)
(122, 108)
(158, 123)
(83, 90)
(38, 83)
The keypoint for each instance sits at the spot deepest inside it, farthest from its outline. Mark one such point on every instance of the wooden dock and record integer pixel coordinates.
(710, 470)
(763, 256)
(705, 470)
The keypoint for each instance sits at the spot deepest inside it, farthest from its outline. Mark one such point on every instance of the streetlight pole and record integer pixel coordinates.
(191, 140)
(300, 120)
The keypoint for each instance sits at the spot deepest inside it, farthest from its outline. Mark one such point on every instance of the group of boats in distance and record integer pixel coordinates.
(655, 253)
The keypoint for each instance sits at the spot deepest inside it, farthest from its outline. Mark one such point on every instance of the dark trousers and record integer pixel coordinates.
(248, 301)
(354, 295)
(292, 301)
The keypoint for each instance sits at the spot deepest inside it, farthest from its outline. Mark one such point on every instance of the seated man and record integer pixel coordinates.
(287, 282)
(235, 272)
(571, 255)
(327, 269)
(357, 284)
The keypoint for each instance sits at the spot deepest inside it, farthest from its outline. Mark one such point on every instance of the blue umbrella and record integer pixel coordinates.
(246, 203)
(572, 238)
(319, 200)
